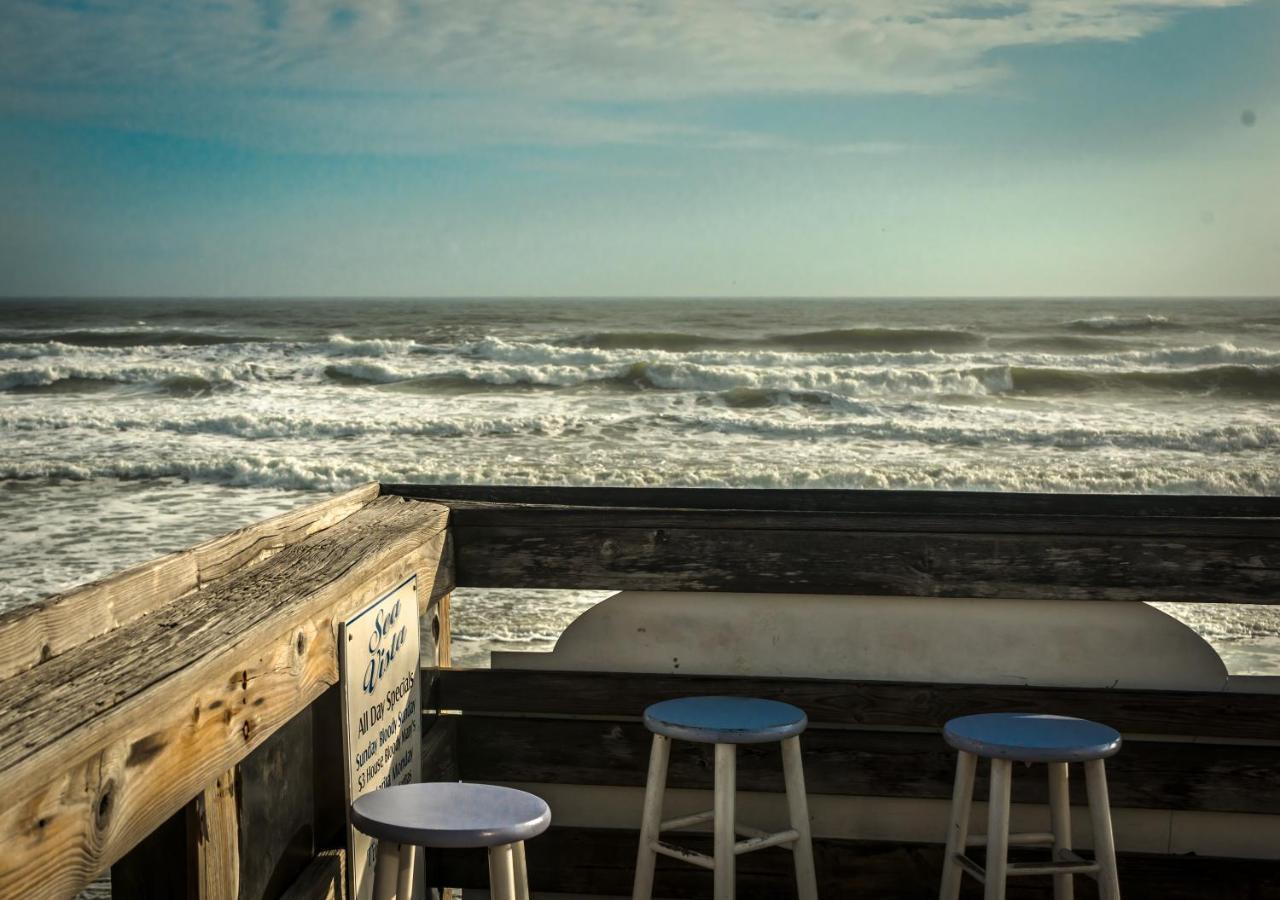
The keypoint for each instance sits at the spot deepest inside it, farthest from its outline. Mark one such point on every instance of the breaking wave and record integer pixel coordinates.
(891, 339)
(1124, 323)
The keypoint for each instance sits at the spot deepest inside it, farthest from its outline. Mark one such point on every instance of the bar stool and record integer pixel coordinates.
(1006, 738)
(725, 722)
(452, 815)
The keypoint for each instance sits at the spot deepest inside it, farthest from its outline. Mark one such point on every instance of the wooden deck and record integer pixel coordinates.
(178, 722)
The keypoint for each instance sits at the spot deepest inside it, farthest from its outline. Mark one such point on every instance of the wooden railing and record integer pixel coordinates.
(132, 705)
(177, 722)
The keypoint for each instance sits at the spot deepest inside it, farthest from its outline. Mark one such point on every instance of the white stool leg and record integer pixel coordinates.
(386, 873)
(651, 819)
(958, 830)
(998, 829)
(521, 871)
(725, 837)
(1060, 825)
(404, 879)
(798, 806)
(502, 881)
(1104, 842)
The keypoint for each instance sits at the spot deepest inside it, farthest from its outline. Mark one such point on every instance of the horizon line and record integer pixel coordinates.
(610, 297)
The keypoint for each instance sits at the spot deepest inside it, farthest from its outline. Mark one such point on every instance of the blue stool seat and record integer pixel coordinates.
(725, 720)
(1026, 737)
(451, 814)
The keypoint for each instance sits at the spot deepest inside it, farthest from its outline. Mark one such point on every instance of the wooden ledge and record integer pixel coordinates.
(101, 744)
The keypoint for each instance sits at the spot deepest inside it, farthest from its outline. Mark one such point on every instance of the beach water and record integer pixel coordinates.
(129, 428)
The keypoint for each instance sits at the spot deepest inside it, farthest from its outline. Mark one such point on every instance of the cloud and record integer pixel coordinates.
(430, 73)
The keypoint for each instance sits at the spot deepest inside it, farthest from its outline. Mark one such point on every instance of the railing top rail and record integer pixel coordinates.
(853, 501)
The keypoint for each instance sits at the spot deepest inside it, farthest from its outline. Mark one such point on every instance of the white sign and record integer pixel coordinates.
(381, 711)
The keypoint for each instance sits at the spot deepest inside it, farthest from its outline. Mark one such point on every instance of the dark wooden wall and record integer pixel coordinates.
(891, 543)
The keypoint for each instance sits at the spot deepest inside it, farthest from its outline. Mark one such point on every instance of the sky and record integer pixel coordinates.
(659, 148)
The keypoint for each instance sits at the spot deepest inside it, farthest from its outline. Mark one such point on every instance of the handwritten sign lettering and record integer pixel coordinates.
(381, 711)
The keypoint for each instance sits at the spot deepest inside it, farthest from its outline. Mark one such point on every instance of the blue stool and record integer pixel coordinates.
(450, 814)
(725, 722)
(1006, 738)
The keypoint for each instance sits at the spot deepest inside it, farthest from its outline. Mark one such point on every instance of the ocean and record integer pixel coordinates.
(130, 428)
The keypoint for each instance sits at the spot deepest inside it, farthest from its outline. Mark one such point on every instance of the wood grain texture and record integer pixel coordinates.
(37, 632)
(324, 879)
(915, 564)
(965, 503)
(875, 704)
(214, 830)
(100, 745)
(848, 762)
(602, 861)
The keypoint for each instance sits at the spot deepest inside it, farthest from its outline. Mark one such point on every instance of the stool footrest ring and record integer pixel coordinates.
(757, 840)
(1024, 839)
(1069, 864)
(689, 856)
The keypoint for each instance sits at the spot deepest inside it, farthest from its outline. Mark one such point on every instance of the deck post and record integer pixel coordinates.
(213, 828)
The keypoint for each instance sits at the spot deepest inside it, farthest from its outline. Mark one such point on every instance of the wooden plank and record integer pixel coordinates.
(874, 704)
(601, 861)
(467, 515)
(100, 745)
(213, 829)
(232, 552)
(1066, 567)
(834, 500)
(846, 762)
(324, 879)
(37, 632)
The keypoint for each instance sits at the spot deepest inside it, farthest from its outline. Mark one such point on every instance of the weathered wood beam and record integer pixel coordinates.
(601, 861)
(831, 500)
(37, 632)
(101, 744)
(849, 762)
(467, 515)
(608, 555)
(868, 704)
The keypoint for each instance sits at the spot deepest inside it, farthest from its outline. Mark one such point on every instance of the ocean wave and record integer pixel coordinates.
(1057, 344)
(871, 339)
(1231, 381)
(632, 376)
(673, 341)
(881, 426)
(1119, 323)
(173, 380)
(142, 337)
(1107, 354)
(341, 345)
